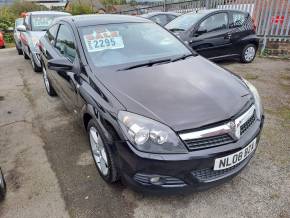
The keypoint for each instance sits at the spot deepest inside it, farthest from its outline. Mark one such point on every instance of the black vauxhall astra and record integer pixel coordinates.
(158, 116)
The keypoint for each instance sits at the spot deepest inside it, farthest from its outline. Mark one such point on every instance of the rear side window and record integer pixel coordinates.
(51, 34)
(215, 22)
(65, 42)
(238, 19)
(160, 19)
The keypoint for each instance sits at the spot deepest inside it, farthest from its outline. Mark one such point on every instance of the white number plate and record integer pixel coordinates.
(235, 158)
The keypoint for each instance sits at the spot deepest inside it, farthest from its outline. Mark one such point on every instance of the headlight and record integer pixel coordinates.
(149, 135)
(258, 102)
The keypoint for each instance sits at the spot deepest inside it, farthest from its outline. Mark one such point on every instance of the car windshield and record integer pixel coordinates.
(116, 44)
(41, 22)
(184, 22)
(18, 22)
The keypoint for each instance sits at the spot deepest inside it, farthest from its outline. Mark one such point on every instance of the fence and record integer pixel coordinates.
(272, 17)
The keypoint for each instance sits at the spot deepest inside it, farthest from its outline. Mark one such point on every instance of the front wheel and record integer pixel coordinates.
(248, 53)
(102, 154)
(49, 89)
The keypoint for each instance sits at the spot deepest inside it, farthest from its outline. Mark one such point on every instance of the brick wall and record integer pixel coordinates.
(276, 48)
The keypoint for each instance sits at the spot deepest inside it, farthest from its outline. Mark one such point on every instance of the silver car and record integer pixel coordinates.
(16, 35)
(34, 27)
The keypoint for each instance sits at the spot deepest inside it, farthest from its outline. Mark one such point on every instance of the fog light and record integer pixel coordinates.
(155, 180)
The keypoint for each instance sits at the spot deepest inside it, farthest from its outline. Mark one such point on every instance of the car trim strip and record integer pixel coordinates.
(227, 128)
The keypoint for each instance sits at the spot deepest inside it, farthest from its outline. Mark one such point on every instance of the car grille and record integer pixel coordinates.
(166, 181)
(248, 123)
(210, 174)
(213, 141)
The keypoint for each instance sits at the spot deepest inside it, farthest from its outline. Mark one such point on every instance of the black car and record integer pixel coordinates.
(158, 116)
(218, 34)
(162, 18)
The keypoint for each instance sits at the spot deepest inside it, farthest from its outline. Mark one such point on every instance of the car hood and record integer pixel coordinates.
(37, 34)
(184, 95)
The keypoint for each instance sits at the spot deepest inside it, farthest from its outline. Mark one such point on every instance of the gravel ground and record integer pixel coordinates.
(49, 171)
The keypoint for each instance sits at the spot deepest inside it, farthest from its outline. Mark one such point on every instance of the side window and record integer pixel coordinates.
(214, 22)
(160, 19)
(26, 21)
(238, 19)
(170, 18)
(51, 34)
(65, 42)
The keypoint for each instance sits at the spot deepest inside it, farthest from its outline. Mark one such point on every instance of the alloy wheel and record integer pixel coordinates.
(250, 53)
(99, 152)
(45, 78)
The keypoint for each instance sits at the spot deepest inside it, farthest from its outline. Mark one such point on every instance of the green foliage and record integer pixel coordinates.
(8, 15)
(81, 8)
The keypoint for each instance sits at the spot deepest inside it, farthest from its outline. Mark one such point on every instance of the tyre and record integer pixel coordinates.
(248, 53)
(34, 65)
(26, 57)
(49, 88)
(19, 51)
(102, 153)
(2, 186)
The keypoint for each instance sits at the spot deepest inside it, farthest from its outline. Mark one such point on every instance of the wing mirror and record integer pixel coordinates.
(200, 31)
(59, 64)
(21, 28)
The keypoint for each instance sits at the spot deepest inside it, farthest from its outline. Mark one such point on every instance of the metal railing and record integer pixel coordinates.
(272, 17)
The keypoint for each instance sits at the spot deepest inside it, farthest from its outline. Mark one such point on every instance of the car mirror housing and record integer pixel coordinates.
(21, 28)
(200, 31)
(60, 64)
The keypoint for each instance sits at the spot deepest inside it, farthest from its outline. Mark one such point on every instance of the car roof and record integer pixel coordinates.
(208, 11)
(90, 20)
(151, 14)
(47, 12)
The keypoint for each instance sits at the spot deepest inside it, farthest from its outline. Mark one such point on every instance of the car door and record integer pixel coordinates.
(24, 35)
(66, 81)
(48, 50)
(241, 26)
(212, 37)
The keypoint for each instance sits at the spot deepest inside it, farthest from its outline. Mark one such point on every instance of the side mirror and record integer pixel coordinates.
(200, 31)
(59, 64)
(21, 28)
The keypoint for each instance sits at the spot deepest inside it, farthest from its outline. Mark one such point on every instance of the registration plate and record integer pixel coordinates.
(235, 158)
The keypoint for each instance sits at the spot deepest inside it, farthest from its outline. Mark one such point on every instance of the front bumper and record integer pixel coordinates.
(181, 172)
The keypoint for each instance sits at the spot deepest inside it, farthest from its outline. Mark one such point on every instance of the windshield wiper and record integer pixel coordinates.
(176, 29)
(182, 57)
(149, 64)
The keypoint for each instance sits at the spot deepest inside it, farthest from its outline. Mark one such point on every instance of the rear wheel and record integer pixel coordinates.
(248, 53)
(26, 57)
(49, 89)
(19, 51)
(102, 154)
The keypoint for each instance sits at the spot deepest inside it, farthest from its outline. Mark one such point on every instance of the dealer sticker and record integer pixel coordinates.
(103, 41)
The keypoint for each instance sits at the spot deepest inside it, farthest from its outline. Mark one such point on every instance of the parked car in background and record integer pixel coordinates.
(34, 26)
(16, 35)
(158, 115)
(2, 41)
(162, 18)
(218, 34)
(2, 186)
